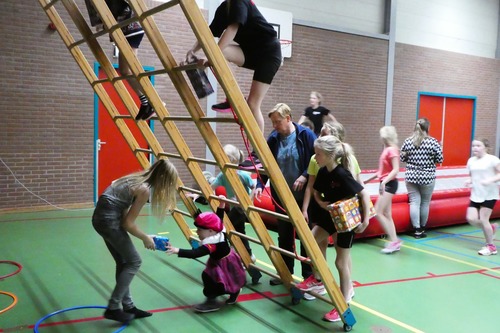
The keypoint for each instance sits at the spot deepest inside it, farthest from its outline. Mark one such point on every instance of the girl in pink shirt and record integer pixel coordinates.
(386, 174)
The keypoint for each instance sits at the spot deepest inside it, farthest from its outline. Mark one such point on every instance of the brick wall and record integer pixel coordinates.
(47, 130)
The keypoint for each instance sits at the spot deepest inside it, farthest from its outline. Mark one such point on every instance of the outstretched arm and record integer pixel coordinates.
(141, 197)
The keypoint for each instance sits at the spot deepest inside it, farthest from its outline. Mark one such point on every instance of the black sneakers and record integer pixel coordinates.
(118, 315)
(145, 112)
(210, 305)
(138, 313)
(223, 107)
(419, 233)
(232, 298)
(275, 282)
(255, 274)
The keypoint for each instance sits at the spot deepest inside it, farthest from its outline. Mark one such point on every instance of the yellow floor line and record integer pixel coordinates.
(451, 259)
(383, 316)
(360, 306)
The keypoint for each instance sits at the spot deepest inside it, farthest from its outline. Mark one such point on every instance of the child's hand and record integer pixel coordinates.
(222, 204)
(172, 250)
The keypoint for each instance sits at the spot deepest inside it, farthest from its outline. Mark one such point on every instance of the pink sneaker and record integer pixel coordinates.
(332, 316)
(311, 284)
(392, 247)
(223, 107)
(488, 250)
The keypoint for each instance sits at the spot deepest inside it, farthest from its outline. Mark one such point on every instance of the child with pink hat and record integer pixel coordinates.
(224, 273)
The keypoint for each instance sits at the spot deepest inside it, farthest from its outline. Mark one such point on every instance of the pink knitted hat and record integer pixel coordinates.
(208, 220)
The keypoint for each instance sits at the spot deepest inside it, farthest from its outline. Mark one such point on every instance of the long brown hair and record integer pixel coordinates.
(421, 131)
(161, 178)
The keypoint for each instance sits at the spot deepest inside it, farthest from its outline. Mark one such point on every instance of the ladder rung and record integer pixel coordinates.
(122, 77)
(143, 150)
(93, 36)
(153, 72)
(251, 239)
(201, 160)
(219, 119)
(290, 254)
(177, 118)
(100, 81)
(159, 8)
(268, 212)
(176, 210)
(122, 116)
(187, 67)
(170, 155)
(272, 274)
(104, 31)
(205, 119)
(190, 189)
(50, 4)
(226, 200)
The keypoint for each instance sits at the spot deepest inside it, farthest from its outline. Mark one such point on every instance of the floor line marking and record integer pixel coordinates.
(450, 258)
(362, 307)
(383, 316)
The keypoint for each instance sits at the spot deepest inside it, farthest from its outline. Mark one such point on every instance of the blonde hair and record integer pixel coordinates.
(161, 178)
(282, 109)
(234, 154)
(389, 135)
(336, 150)
(421, 131)
(318, 96)
(334, 128)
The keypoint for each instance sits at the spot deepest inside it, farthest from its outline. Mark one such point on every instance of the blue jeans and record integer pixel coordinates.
(420, 199)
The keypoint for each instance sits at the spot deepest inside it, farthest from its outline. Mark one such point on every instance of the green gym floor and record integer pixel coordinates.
(436, 284)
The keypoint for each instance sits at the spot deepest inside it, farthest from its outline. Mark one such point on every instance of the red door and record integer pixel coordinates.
(114, 158)
(451, 121)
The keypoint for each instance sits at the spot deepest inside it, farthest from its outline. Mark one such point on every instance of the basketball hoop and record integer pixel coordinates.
(286, 49)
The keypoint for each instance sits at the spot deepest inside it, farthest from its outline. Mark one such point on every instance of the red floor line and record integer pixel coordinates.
(431, 276)
(241, 298)
(490, 275)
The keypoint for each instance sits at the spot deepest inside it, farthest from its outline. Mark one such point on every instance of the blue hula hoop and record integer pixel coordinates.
(35, 328)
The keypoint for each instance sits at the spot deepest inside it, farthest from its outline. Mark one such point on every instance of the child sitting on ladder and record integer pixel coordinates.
(134, 33)
(235, 213)
(247, 40)
(224, 273)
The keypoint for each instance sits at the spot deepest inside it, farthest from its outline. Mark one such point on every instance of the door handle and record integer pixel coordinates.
(99, 143)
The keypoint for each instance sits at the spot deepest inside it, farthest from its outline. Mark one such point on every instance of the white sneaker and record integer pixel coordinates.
(488, 250)
(351, 295)
(252, 257)
(309, 297)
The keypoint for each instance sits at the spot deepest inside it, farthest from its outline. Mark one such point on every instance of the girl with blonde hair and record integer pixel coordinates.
(114, 219)
(335, 182)
(387, 171)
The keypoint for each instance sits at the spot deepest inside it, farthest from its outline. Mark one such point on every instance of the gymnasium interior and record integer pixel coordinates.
(69, 131)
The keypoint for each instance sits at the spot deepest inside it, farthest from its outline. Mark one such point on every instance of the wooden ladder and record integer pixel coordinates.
(202, 122)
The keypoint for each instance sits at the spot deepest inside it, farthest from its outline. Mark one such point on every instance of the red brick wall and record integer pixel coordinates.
(47, 130)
